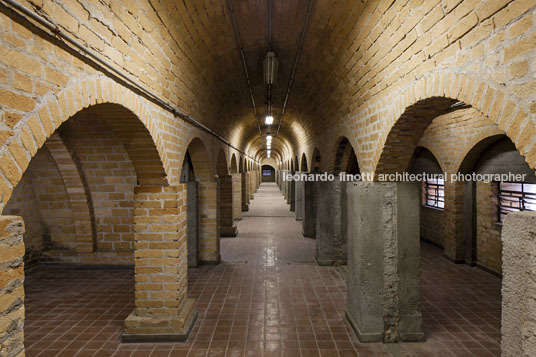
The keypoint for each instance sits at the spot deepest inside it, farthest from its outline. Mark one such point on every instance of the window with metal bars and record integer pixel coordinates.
(516, 196)
(434, 193)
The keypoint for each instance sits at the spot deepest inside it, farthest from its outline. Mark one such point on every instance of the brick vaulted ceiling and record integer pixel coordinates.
(315, 97)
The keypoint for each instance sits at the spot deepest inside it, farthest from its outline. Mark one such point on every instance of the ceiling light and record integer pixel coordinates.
(269, 138)
(270, 68)
(269, 120)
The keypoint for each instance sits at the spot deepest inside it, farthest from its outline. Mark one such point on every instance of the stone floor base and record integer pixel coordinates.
(228, 231)
(160, 328)
(378, 337)
(363, 337)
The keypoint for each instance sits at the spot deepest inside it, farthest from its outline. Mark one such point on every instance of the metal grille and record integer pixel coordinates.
(516, 196)
(434, 193)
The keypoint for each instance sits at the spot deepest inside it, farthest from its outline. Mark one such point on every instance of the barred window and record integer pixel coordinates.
(516, 196)
(434, 193)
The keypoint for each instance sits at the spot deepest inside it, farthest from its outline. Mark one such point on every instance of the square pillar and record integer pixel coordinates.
(163, 312)
(227, 226)
(299, 200)
(11, 286)
(309, 209)
(285, 183)
(292, 196)
(250, 186)
(237, 197)
(518, 322)
(244, 184)
(288, 187)
(192, 222)
(455, 221)
(209, 237)
(330, 247)
(384, 261)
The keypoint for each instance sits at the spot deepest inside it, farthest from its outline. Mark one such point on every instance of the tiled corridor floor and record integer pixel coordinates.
(267, 298)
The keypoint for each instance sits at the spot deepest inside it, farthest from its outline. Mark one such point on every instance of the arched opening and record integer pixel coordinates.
(83, 197)
(486, 204)
(303, 167)
(344, 159)
(448, 210)
(268, 173)
(192, 210)
(432, 197)
(209, 247)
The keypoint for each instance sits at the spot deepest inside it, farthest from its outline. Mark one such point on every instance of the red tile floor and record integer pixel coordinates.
(268, 298)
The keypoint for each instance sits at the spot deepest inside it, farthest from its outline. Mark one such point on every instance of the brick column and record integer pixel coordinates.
(162, 310)
(251, 186)
(244, 189)
(209, 236)
(237, 197)
(227, 226)
(454, 221)
(11, 286)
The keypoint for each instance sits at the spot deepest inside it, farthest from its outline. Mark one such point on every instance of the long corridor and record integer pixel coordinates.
(267, 298)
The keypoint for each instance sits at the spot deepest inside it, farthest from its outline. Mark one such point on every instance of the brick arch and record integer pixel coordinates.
(89, 93)
(303, 166)
(234, 165)
(419, 149)
(221, 164)
(432, 151)
(342, 153)
(200, 159)
(475, 150)
(316, 161)
(78, 194)
(434, 95)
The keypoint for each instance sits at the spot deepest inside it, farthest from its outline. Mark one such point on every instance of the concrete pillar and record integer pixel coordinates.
(292, 196)
(299, 200)
(330, 247)
(237, 197)
(11, 286)
(309, 209)
(384, 261)
(518, 323)
(192, 223)
(285, 185)
(244, 194)
(163, 312)
(288, 185)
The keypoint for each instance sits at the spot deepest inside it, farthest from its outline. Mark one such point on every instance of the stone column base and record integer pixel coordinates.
(162, 328)
(228, 231)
